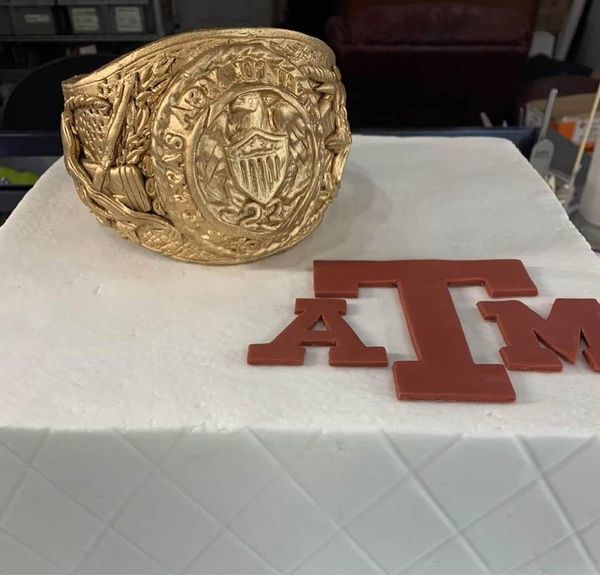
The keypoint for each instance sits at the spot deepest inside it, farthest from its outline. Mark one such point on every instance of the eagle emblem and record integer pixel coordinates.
(258, 163)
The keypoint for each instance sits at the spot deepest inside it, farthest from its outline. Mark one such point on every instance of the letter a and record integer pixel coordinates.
(346, 347)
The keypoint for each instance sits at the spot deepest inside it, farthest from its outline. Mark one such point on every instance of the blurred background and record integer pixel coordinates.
(444, 67)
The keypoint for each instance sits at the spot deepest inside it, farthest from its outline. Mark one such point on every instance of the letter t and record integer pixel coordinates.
(445, 370)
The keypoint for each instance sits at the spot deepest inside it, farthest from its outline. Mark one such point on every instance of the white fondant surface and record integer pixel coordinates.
(134, 439)
(99, 333)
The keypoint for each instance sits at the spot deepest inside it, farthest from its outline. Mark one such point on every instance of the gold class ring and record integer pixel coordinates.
(217, 146)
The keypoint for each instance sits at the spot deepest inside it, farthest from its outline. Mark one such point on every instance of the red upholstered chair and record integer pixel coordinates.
(430, 64)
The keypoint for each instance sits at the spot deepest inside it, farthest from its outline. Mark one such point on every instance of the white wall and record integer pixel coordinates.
(193, 14)
(589, 48)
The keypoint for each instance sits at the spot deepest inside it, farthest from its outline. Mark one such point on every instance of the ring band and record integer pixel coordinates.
(216, 146)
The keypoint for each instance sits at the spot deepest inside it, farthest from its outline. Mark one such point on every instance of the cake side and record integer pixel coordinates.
(298, 502)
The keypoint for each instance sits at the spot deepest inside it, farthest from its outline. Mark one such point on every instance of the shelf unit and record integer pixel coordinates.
(21, 53)
(81, 38)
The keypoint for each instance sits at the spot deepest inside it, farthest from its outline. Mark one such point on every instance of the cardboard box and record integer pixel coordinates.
(569, 117)
(129, 16)
(32, 17)
(85, 16)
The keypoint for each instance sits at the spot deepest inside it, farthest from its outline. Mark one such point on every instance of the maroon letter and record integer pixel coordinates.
(445, 370)
(288, 347)
(523, 330)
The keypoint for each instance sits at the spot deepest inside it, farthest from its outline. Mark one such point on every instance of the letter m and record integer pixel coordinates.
(535, 343)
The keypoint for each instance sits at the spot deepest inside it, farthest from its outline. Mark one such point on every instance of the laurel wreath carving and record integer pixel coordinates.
(150, 83)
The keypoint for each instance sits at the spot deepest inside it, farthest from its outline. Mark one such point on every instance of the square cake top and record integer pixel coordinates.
(99, 333)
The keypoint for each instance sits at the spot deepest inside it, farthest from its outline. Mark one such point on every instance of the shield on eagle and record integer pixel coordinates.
(258, 163)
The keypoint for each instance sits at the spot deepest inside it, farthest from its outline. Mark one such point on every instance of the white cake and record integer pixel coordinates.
(134, 437)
